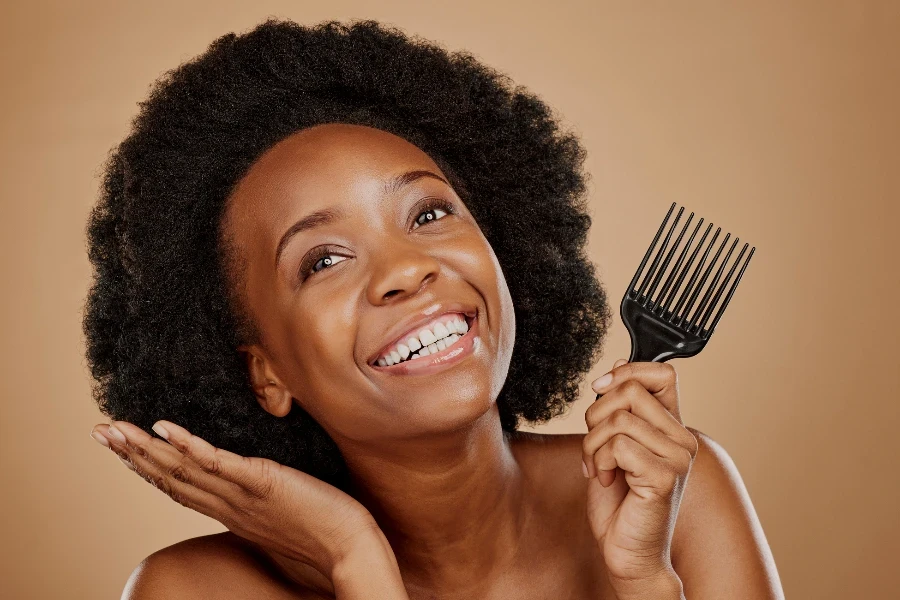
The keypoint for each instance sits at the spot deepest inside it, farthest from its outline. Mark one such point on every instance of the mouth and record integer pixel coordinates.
(450, 338)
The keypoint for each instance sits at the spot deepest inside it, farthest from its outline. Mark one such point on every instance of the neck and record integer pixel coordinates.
(451, 505)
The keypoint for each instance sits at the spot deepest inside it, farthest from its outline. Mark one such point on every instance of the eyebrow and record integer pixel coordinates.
(327, 216)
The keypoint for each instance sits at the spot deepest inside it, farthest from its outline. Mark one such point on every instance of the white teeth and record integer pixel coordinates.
(440, 331)
(426, 337)
(428, 342)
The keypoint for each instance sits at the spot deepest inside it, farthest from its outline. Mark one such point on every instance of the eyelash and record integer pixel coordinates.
(425, 206)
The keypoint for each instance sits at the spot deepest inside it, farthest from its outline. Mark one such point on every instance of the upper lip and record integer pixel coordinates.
(410, 326)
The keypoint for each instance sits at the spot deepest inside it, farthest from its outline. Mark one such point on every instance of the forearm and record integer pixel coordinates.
(369, 571)
(665, 586)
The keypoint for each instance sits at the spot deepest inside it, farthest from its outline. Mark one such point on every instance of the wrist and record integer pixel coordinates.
(665, 585)
(368, 569)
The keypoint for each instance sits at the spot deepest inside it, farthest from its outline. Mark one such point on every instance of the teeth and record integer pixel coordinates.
(428, 342)
(427, 337)
(440, 331)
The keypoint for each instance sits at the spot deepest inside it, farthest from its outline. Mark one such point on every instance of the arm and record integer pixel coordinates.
(205, 568)
(719, 549)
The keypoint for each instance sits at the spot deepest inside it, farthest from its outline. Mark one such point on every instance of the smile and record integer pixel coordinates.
(457, 351)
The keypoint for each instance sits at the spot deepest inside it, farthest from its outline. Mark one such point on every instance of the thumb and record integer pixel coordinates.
(619, 363)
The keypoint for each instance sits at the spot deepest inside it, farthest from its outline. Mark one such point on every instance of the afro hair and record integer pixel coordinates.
(162, 318)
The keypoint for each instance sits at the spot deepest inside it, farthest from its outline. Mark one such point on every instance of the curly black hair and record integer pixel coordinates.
(163, 317)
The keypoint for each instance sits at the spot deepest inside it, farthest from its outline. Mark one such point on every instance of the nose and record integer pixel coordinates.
(401, 270)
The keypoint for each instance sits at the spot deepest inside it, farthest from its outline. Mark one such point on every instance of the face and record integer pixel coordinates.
(343, 262)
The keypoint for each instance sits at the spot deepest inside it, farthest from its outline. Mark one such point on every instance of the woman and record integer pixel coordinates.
(335, 267)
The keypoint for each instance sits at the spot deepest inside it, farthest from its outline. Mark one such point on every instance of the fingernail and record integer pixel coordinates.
(100, 439)
(620, 362)
(584, 469)
(159, 429)
(603, 381)
(118, 435)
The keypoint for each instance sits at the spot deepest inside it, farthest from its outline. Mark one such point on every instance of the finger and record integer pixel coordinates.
(660, 379)
(623, 421)
(232, 467)
(170, 475)
(647, 474)
(634, 397)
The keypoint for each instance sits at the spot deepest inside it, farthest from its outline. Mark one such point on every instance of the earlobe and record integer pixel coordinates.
(273, 397)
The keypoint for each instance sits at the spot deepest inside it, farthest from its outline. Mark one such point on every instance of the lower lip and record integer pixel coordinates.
(444, 359)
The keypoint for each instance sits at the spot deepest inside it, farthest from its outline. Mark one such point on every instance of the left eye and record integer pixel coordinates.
(428, 215)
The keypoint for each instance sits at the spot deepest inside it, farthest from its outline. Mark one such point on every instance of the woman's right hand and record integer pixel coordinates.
(290, 515)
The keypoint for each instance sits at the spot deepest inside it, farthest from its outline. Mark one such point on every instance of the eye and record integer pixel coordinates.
(321, 257)
(431, 210)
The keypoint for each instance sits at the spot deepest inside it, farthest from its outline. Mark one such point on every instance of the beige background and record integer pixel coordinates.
(777, 120)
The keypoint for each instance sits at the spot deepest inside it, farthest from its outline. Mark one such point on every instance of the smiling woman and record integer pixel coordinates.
(335, 268)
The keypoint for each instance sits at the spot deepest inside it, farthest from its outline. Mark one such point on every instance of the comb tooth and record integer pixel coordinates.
(687, 324)
(720, 289)
(650, 250)
(725, 302)
(685, 270)
(661, 306)
(653, 271)
(695, 320)
(668, 259)
(690, 285)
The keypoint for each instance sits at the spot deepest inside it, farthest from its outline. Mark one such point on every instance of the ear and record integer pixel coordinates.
(271, 394)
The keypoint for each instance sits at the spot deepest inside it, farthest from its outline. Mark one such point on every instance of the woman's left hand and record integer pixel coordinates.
(638, 454)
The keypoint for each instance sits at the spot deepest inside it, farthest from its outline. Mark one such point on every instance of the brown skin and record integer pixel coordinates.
(467, 513)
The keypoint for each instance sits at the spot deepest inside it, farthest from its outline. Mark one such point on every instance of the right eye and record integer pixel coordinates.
(323, 258)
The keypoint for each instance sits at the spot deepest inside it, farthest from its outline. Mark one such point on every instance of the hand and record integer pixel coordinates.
(291, 516)
(638, 454)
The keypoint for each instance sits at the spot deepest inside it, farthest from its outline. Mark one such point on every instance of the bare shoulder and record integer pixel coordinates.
(218, 566)
(718, 545)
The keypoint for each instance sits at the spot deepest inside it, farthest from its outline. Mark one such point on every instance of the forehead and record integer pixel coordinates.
(322, 164)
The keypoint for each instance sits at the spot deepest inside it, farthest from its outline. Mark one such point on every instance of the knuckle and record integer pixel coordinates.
(263, 484)
(618, 442)
(620, 418)
(671, 372)
(179, 473)
(632, 386)
(214, 465)
(140, 450)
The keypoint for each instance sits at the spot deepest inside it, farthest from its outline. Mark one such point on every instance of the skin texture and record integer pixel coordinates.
(468, 511)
